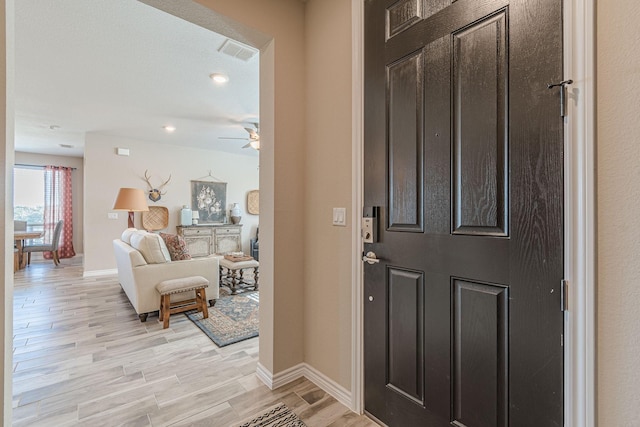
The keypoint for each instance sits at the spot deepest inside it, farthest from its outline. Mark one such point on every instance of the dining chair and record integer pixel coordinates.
(47, 247)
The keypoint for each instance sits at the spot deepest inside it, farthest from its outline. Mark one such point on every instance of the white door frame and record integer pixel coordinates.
(579, 216)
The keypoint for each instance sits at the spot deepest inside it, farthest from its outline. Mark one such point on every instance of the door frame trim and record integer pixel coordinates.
(580, 211)
(579, 216)
(357, 201)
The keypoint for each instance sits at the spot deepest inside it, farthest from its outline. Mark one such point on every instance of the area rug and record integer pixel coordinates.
(276, 416)
(234, 318)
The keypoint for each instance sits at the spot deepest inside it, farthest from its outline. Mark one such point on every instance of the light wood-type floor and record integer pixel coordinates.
(82, 357)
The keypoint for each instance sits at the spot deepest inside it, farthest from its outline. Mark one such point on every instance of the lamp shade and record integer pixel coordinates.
(131, 199)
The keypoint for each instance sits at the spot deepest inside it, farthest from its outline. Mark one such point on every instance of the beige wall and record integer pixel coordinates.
(77, 186)
(106, 173)
(328, 257)
(618, 187)
(282, 177)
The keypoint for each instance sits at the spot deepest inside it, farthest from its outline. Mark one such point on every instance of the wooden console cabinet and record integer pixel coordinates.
(207, 239)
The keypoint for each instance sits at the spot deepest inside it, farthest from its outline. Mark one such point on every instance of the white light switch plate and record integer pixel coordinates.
(340, 216)
(112, 215)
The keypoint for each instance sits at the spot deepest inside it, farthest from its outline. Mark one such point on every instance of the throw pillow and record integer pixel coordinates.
(177, 246)
(151, 246)
(126, 235)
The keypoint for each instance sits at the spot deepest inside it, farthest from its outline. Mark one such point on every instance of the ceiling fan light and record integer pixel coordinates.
(255, 144)
(219, 78)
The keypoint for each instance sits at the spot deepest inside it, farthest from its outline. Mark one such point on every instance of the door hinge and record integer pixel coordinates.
(564, 295)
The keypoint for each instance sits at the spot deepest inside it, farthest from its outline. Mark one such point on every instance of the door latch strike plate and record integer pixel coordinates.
(563, 95)
(564, 295)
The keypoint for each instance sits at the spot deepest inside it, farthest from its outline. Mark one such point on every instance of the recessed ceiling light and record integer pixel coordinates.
(169, 128)
(66, 145)
(219, 78)
(54, 127)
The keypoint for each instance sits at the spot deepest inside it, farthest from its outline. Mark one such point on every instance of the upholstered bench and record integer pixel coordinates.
(175, 286)
(232, 273)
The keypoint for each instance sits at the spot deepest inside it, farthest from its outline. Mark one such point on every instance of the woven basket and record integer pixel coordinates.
(253, 202)
(157, 218)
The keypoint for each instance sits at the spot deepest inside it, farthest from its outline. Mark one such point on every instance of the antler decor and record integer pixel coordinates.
(155, 194)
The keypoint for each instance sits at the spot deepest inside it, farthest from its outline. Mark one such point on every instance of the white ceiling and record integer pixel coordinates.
(123, 68)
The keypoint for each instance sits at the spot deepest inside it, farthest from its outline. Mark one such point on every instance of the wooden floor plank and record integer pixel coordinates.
(82, 357)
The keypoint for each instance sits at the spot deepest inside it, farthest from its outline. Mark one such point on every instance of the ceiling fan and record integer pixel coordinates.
(254, 137)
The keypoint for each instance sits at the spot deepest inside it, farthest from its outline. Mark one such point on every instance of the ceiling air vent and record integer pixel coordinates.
(237, 50)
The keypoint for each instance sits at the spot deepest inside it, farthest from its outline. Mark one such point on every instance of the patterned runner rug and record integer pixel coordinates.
(276, 416)
(234, 318)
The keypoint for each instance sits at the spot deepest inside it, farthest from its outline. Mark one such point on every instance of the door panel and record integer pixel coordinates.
(480, 326)
(404, 118)
(402, 15)
(405, 354)
(463, 157)
(480, 135)
(405, 13)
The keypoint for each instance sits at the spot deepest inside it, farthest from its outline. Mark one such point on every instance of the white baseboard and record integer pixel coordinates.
(94, 273)
(339, 393)
(334, 389)
(288, 375)
(265, 375)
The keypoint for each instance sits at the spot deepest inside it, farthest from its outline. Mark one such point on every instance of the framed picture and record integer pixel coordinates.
(209, 199)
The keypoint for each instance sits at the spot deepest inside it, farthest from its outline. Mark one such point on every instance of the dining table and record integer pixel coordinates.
(20, 237)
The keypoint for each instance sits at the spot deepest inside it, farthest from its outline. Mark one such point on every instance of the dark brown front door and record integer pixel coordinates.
(463, 159)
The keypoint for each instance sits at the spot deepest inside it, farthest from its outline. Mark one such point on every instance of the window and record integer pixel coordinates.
(28, 196)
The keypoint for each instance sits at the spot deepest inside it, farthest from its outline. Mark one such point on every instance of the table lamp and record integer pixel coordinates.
(131, 200)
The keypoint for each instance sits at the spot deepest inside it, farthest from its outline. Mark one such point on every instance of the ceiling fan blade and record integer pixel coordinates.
(229, 137)
(247, 145)
(252, 133)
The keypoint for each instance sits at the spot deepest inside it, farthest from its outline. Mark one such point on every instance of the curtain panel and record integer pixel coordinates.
(58, 206)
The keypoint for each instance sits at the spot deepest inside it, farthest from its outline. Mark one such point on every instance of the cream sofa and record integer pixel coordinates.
(139, 278)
